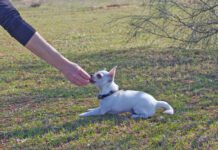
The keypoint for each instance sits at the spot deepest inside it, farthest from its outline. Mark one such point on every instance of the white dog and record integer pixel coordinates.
(113, 100)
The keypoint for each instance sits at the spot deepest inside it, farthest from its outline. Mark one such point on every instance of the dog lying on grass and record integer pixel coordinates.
(114, 101)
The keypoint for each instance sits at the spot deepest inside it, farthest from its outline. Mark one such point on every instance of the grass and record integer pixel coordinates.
(39, 108)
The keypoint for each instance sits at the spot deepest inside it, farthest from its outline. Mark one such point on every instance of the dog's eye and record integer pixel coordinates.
(99, 76)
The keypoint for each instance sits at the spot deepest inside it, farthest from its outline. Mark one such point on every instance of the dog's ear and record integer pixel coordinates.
(112, 72)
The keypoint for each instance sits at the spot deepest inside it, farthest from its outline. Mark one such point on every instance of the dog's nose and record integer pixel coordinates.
(91, 79)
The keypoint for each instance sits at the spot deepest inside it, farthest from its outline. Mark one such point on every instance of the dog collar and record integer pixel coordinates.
(106, 95)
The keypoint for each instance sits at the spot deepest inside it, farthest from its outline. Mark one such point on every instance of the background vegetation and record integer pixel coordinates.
(39, 108)
(192, 23)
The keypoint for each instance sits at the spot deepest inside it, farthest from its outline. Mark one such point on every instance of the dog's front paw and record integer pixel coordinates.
(85, 114)
(91, 109)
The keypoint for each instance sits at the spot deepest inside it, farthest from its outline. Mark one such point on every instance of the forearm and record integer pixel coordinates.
(45, 51)
(11, 21)
(38, 45)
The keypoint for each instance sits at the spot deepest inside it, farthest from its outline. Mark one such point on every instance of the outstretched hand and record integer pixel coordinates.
(75, 74)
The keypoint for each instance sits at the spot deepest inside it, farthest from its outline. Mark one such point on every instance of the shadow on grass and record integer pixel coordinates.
(128, 59)
(133, 58)
(131, 62)
(138, 57)
(68, 127)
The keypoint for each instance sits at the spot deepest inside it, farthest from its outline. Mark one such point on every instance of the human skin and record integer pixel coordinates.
(72, 71)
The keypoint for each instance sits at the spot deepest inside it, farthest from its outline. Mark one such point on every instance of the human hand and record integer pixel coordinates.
(75, 74)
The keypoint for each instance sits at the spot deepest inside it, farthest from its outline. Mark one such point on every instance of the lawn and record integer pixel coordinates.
(39, 108)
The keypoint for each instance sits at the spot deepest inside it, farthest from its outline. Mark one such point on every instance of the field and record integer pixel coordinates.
(39, 108)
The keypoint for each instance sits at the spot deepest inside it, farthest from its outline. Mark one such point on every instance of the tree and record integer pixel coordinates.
(190, 22)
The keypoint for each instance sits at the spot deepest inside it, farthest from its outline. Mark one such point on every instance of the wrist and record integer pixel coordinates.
(62, 64)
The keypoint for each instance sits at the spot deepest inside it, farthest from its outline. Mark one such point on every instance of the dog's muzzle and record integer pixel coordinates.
(91, 79)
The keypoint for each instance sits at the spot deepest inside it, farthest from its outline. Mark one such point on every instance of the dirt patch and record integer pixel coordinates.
(19, 103)
(30, 3)
(111, 6)
(116, 5)
(1, 55)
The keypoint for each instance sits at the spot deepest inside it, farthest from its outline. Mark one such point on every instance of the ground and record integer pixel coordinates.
(39, 107)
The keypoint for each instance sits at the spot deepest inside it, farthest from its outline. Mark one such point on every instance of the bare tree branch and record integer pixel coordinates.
(173, 19)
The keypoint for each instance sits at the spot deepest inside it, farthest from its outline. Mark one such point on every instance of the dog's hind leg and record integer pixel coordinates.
(139, 112)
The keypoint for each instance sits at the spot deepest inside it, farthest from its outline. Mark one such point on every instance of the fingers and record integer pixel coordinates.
(76, 82)
(78, 79)
(83, 74)
(81, 81)
(76, 75)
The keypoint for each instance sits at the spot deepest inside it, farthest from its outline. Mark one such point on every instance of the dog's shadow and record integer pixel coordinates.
(67, 126)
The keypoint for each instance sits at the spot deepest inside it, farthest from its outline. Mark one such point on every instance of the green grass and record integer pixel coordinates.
(39, 108)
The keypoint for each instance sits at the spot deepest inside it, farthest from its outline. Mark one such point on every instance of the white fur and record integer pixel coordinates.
(140, 104)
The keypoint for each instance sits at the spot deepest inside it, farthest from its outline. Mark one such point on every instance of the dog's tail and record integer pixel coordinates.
(165, 105)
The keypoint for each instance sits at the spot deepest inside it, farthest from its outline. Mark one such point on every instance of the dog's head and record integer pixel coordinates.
(102, 78)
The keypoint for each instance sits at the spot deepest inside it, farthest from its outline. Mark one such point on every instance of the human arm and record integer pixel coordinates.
(44, 50)
(24, 33)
